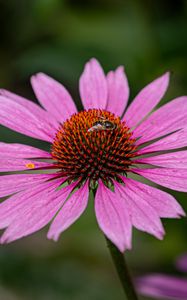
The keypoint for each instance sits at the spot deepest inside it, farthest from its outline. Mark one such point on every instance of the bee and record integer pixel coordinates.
(102, 124)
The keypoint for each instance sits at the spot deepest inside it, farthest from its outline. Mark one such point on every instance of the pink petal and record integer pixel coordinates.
(173, 141)
(25, 217)
(53, 96)
(70, 212)
(163, 203)
(10, 184)
(162, 286)
(32, 107)
(93, 86)
(19, 118)
(169, 118)
(118, 91)
(176, 160)
(12, 164)
(143, 216)
(113, 217)
(14, 205)
(175, 179)
(21, 151)
(146, 100)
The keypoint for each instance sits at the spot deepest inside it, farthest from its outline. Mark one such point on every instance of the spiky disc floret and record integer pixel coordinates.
(85, 150)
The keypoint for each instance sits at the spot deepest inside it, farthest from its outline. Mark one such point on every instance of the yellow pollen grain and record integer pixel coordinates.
(30, 166)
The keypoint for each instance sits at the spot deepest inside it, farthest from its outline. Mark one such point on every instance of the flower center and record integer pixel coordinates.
(93, 144)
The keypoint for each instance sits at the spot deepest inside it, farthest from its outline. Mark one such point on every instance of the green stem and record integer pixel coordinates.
(122, 270)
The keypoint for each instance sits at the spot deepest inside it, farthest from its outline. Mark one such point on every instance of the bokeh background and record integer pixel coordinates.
(58, 37)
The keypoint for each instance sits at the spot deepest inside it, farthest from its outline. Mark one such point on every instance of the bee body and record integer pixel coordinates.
(102, 124)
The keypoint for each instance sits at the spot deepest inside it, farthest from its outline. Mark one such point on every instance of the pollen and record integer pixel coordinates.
(93, 144)
(30, 166)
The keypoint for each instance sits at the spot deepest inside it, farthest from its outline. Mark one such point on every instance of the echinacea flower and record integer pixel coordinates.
(96, 149)
(165, 286)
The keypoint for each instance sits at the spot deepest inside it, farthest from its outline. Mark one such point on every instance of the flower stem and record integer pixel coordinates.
(122, 270)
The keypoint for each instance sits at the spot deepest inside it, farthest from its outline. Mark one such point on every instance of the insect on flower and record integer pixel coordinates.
(102, 124)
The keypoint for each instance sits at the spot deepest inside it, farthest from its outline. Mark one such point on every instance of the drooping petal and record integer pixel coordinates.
(13, 164)
(21, 151)
(167, 119)
(181, 262)
(10, 184)
(174, 179)
(163, 203)
(18, 118)
(172, 141)
(93, 86)
(118, 91)
(32, 107)
(26, 217)
(53, 96)
(143, 215)
(113, 217)
(162, 286)
(70, 212)
(146, 100)
(15, 205)
(177, 160)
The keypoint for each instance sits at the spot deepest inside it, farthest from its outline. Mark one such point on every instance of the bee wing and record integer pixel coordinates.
(95, 128)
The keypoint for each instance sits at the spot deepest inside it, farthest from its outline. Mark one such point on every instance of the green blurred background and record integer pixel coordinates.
(58, 37)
